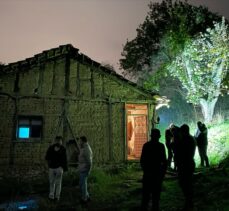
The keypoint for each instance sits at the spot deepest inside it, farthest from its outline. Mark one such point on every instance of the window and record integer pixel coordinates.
(29, 127)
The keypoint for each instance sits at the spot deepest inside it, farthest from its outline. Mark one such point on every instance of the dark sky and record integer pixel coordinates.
(98, 28)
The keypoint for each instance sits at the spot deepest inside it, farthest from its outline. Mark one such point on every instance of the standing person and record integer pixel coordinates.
(176, 137)
(57, 163)
(85, 164)
(186, 165)
(202, 143)
(153, 163)
(169, 143)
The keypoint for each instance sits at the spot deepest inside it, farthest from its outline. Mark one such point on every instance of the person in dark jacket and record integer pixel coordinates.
(168, 143)
(186, 165)
(153, 163)
(202, 143)
(176, 138)
(57, 163)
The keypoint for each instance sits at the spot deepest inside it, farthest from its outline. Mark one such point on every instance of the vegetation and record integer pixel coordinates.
(175, 17)
(218, 141)
(218, 148)
(202, 67)
(119, 187)
(171, 43)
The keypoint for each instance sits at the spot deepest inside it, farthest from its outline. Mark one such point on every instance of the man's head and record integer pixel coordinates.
(83, 140)
(171, 125)
(155, 134)
(199, 124)
(185, 129)
(58, 140)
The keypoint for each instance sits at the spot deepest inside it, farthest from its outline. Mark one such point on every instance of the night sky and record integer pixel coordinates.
(99, 28)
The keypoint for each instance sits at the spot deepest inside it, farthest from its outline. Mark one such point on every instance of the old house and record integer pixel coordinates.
(63, 92)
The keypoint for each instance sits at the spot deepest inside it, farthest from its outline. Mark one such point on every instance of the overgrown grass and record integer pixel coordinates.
(218, 140)
(218, 148)
(110, 185)
(119, 187)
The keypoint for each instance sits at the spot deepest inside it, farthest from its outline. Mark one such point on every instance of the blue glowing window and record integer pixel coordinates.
(29, 127)
(23, 132)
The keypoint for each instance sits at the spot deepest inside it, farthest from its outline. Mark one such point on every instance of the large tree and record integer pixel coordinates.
(169, 15)
(162, 36)
(202, 67)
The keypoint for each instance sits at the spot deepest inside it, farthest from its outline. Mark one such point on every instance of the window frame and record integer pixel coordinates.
(29, 118)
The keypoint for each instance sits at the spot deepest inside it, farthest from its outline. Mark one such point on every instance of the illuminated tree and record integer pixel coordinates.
(202, 67)
(163, 17)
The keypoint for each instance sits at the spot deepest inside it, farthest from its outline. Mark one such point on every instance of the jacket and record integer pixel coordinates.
(85, 158)
(56, 157)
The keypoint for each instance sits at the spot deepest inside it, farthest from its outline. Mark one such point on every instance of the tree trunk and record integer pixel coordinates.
(207, 108)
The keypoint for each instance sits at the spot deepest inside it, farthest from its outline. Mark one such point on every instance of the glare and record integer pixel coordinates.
(23, 207)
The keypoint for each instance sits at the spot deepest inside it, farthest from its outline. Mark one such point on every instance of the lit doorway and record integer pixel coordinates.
(136, 129)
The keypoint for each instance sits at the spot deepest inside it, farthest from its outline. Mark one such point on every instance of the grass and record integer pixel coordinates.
(119, 187)
(218, 141)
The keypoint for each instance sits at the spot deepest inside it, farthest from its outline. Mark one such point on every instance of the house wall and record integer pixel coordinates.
(94, 103)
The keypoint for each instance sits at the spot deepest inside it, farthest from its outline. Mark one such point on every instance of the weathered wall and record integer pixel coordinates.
(93, 100)
(6, 128)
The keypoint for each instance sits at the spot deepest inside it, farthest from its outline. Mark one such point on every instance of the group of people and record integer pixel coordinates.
(56, 158)
(181, 146)
(172, 137)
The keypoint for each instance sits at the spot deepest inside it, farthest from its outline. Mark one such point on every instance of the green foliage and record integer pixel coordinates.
(218, 142)
(109, 184)
(178, 19)
(203, 64)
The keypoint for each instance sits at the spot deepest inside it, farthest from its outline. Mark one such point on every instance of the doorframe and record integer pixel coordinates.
(125, 128)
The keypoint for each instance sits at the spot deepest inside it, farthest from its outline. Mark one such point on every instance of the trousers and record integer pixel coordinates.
(55, 182)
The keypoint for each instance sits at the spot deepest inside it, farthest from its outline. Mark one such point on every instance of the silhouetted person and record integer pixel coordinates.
(85, 165)
(57, 163)
(176, 137)
(169, 144)
(153, 163)
(186, 165)
(202, 143)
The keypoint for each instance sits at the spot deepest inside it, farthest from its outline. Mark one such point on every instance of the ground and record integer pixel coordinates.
(116, 189)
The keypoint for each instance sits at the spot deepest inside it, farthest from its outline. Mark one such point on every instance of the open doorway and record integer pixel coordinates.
(136, 129)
